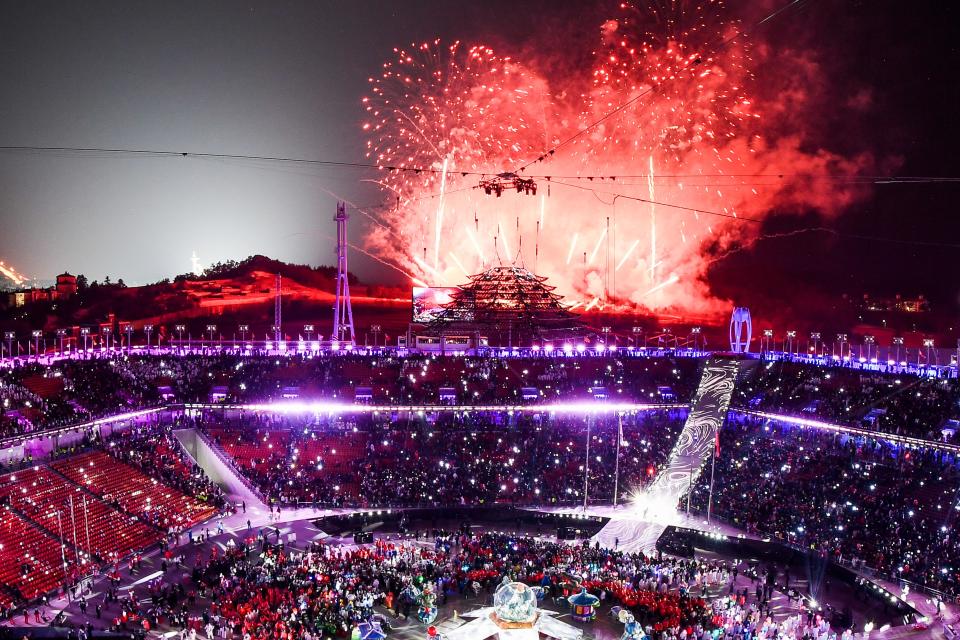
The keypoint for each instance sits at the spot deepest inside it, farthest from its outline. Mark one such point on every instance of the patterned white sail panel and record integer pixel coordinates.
(708, 410)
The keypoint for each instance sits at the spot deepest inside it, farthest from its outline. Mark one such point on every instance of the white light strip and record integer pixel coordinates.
(46, 433)
(837, 428)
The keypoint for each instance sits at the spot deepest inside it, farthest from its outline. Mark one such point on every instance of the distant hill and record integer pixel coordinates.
(232, 269)
(243, 290)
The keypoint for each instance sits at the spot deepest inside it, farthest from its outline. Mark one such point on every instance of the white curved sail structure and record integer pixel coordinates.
(641, 526)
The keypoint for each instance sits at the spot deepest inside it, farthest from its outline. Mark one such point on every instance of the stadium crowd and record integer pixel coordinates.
(858, 500)
(129, 491)
(152, 449)
(35, 397)
(892, 403)
(457, 459)
(861, 501)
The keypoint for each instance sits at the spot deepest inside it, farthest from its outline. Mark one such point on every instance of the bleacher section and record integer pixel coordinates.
(44, 386)
(85, 511)
(102, 530)
(254, 453)
(135, 493)
(31, 562)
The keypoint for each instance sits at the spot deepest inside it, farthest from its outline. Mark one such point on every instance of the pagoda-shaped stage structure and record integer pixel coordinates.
(506, 306)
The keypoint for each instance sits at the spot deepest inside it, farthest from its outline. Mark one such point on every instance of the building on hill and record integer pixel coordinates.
(66, 287)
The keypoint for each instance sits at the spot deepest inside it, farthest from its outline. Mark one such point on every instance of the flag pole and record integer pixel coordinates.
(713, 466)
(586, 466)
(616, 465)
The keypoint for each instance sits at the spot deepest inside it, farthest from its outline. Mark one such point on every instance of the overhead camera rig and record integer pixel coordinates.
(501, 182)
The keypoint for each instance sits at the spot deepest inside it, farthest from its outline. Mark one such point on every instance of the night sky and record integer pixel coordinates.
(286, 78)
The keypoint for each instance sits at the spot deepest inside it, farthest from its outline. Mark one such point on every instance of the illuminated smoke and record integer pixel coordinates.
(717, 127)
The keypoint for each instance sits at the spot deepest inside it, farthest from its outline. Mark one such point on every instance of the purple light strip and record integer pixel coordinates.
(344, 408)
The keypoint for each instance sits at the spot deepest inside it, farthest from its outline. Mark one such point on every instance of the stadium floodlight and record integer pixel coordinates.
(148, 330)
(765, 341)
(61, 334)
(180, 329)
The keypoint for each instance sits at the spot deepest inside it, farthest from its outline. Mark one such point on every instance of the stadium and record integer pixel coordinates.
(174, 487)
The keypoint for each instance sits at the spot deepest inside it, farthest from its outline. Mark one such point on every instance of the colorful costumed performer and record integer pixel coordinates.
(632, 630)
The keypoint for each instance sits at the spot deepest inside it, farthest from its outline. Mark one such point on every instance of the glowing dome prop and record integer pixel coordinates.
(514, 616)
(515, 603)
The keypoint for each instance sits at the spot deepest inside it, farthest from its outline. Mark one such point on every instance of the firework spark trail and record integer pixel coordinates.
(573, 245)
(476, 245)
(11, 273)
(623, 260)
(372, 256)
(673, 279)
(653, 225)
(426, 267)
(439, 226)
(503, 241)
(456, 261)
(461, 111)
(596, 247)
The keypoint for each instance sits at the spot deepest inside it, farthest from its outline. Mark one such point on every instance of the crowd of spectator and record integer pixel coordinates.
(892, 403)
(857, 500)
(454, 459)
(35, 397)
(130, 490)
(153, 449)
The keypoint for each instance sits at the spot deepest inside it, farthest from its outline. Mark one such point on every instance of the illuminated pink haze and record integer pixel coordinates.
(718, 127)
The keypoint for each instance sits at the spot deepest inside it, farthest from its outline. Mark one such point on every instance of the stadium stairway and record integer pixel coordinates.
(638, 528)
(218, 467)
